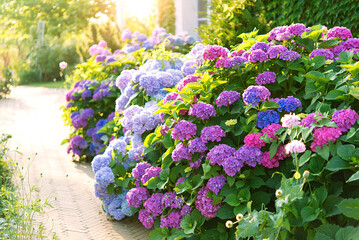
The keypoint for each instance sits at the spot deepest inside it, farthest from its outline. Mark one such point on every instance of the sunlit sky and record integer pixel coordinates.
(139, 8)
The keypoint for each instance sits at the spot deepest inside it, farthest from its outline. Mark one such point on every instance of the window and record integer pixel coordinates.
(203, 12)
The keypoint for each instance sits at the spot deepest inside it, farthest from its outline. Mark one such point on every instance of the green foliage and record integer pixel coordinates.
(166, 15)
(231, 18)
(331, 13)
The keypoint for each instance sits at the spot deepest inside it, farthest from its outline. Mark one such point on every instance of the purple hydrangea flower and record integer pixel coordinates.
(140, 169)
(224, 63)
(126, 35)
(227, 98)
(202, 110)
(184, 130)
(181, 152)
(255, 95)
(186, 210)
(289, 56)
(172, 220)
(205, 204)
(265, 78)
(196, 145)
(86, 94)
(275, 50)
(189, 68)
(100, 191)
(78, 121)
(257, 56)
(186, 80)
(165, 79)
(104, 176)
(215, 184)
(288, 104)
(146, 218)
(250, 155)
(339, 32)
(260, 45)
(212, 133)
(266, 118)
(219, 153)
(172, 201)
(323, 135)
(171, 97)
(99, 162)
(87, 113)
(154, 204)
(275, 33)
(150, 173)
(212, 52)
(297, 29)
(180, 180)
(271, 129)
(77, 145)
(123, 79)
(311, 118)
(231, 166)
(150, 84)
(322, 51)
(136, 196)
(345, 118)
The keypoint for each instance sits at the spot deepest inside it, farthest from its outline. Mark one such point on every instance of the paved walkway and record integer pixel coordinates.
(32, 116)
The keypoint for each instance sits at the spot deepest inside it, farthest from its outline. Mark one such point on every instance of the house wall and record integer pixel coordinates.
(187, 17)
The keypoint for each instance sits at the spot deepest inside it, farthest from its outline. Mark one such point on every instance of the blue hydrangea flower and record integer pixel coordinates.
(267, 117)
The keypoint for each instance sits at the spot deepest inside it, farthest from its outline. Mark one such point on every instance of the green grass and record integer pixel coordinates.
(58, 84)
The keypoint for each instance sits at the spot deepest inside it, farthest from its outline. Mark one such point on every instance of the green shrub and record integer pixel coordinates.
(166, 15)
(231, 18)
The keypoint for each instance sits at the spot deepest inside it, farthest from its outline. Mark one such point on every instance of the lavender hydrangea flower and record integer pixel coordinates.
(184, 130)
(202, 110)
(165, 79)
(136, 196)
(140, 170)
(121, 103)
(339, 32)
(250, 155)
(87, 113)
(322, 51)
(212, 52)
(255, 95)
(186, 80)
(257, 56)
(311, 118)
(289, 104)
(100, 191)
(215, 184)
(146, 218)
(345, 118)
(297, 29)
(265, 78)
(123, 79)
(78, 121)
(154, 204)
(275, 50)
(150, 173)
(189, 68)
(260, 45)
(212, 133)
(126, 35)
(181, 152)
(172, 201)
(275, 33)
(196, 145)
(150, 84)
(205, 204)
(219, 153)
(86, 94)
(231, 166)
(77, 145)
(289, 56)
(227, 98)
(186, 210)
(267, 117)
(180, 180)
(104, 176)
(172, 220)
(99, 162)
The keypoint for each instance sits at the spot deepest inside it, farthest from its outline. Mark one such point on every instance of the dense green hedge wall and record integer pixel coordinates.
(309, 12)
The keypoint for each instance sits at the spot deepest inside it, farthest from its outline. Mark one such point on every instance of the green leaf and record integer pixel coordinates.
(345, 56)
(273, 149)
(231, 180)
(152, 183)
(309, 214)
(306, 42)
(256, 182)
(346, 151)
(305, 158)
(324, 153)
(335, 94)
(327, 232)
(354, 91)
(350, 207)
(313, 35)
(167, 140)
(157, 234)
(320, 194)
(225, 212)
(328, 44)
(188, 224)
(354, 177)
(337, 164)
(348, 233)
(247, 229)
(318, 61)
(269, 104)
(232, 200)
(164, 174)
(148, 140)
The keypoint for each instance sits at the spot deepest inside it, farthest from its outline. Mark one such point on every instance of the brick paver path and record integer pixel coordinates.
(33, 117)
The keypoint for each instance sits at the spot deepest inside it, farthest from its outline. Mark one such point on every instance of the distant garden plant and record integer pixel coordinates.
(259, 142)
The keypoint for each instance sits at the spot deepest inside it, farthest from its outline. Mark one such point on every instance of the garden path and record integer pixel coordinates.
(32, 116)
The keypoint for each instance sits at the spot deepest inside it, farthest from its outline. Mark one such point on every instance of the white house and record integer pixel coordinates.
(190, 14)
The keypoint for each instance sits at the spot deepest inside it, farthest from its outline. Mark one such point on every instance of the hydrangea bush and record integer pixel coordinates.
(259, 142)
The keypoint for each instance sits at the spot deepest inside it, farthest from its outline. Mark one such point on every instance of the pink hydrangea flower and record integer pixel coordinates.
(290, 120)
(295, 146)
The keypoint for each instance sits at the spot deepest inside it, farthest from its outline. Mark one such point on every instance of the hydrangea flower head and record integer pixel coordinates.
(275, 50)
(311, 118)
(345, 118)
(184, 130)
(249, 154)
(266, 118)
(154, 204)
(274, 34)
(290, 120)
(196, 145)
(140, 169)
(205, 204)
(289, 55)
(146, 218)
(104, 176)
(297, 29)
(260, 45)
(171, 200)
(265, 78)
(254, 139)
(227, 98)
(136, 196)
(324, 52)
(255, 95)
(215, 184)
(212, 133)
(186, 80)
(257, 56)
(212, 52)
(202, 110)
(323, 135)
(289, 104)
(99, 162)
(150, 173)
(181, 152)
(271, 130)
(295, 146)
(219, 153)
(172, 220)
(339, 32)
(232, 165)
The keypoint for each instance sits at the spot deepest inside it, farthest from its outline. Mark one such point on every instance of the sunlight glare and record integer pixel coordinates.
(139, 8)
